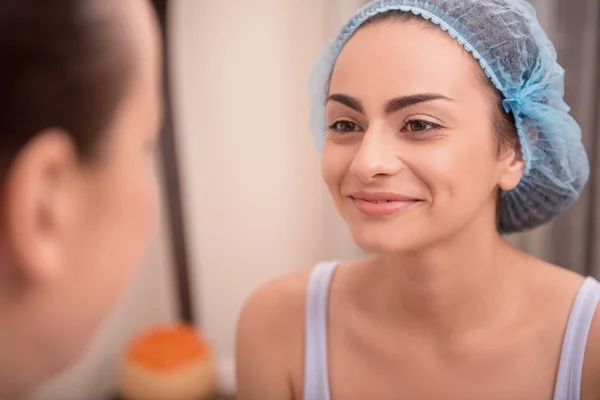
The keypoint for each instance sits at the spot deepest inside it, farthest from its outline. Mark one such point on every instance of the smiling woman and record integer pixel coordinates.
(442, 125)
(430, 131)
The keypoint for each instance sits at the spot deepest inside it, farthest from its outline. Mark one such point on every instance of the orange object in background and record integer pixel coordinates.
(170, 362)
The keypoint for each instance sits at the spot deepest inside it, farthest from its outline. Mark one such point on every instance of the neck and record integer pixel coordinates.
(24, 348)
(457, 285)
(19, 372)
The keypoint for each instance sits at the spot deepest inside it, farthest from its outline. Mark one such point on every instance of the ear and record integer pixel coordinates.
(37, 197)
(512, 167)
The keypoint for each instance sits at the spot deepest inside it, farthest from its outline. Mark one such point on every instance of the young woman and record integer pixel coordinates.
(442, 126)
(80, 112)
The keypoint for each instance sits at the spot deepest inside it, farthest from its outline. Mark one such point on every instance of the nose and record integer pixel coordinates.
(377, 156)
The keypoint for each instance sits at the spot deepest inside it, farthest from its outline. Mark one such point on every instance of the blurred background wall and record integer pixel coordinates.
(252, 199)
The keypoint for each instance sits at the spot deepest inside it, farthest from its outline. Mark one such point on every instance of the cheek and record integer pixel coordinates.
(335, 163)
(120, 226)
(129, 227)
(457, 170)
(107, 247)
(136, 206)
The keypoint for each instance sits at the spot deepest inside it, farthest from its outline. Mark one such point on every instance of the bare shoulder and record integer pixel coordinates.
(279, 300)
(553, 285)
(561, 286)
(269, 338)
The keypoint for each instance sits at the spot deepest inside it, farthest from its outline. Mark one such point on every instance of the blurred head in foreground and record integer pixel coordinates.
(79, 120)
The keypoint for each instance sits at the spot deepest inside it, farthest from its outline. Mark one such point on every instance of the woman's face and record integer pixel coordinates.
(410, 156)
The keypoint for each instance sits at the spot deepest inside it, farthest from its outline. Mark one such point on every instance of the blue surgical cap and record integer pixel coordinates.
(506, 39)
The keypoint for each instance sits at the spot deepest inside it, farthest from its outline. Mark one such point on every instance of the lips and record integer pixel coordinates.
(378, 201)
(382, 203)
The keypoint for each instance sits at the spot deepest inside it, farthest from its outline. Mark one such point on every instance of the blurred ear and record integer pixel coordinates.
(39, 188)
(512, 166)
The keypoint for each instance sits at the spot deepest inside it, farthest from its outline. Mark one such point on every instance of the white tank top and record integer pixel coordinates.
(316, 377)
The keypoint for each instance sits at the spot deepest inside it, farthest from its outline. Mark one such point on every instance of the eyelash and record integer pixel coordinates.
(431, 126)
(335, 127)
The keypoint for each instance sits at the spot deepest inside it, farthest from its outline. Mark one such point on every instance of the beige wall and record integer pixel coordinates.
(254, 202)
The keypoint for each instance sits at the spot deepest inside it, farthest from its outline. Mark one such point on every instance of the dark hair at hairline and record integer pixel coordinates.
(64, 65)
(503, 123)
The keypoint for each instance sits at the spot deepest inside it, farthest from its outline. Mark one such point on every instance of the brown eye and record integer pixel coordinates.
(418, 126)
(344, 127)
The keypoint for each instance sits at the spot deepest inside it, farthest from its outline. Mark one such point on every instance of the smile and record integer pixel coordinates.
(382, 203)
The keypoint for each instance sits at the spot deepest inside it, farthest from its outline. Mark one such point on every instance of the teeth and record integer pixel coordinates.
(380, 201)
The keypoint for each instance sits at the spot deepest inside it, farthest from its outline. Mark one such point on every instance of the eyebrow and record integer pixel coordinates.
(394, 105)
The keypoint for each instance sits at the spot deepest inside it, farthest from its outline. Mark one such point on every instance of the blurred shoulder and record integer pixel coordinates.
(279, 297)
(269, 338)
(276, 309)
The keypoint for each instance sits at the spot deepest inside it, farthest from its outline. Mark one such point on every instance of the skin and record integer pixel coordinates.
(445, 308)
(73, 233)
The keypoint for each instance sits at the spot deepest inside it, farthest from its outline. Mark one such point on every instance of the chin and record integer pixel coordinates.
(67, 344)
(57, 359)
(406, 231)
(72, 351)
(388, 239)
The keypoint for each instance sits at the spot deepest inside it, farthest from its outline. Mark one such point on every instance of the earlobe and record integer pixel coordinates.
(36, 205)
(512, 170)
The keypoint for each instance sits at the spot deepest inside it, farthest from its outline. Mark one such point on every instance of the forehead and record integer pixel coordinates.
(139, 25)
(140, 111)
(394, 58)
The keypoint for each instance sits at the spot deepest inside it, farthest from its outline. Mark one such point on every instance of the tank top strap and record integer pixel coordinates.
(568, 380)
(316, 376)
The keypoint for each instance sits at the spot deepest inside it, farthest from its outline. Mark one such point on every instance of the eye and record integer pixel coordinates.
(418, 126)
(344, 127)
